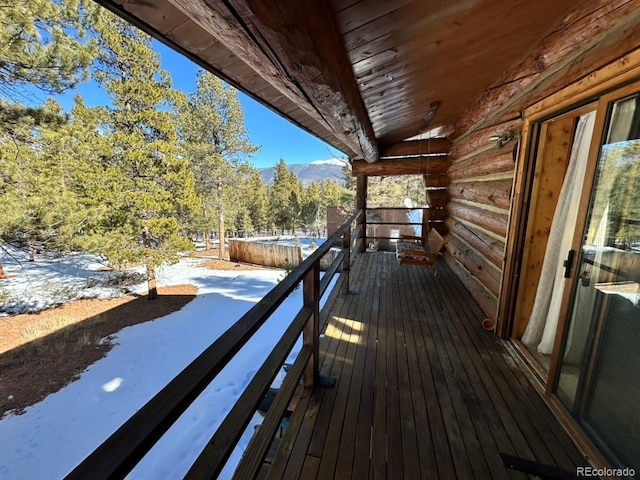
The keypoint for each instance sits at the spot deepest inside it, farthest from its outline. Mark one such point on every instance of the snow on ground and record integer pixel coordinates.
(49, 281)
(53, 436)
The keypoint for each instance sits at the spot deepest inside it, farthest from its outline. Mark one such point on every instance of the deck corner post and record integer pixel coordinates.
(311, 331)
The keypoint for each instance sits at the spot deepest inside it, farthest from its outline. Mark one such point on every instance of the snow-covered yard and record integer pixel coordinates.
(53, 436)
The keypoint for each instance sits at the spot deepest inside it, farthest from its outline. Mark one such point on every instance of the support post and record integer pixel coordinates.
(311, 331)
(346, 261)
(361, 204)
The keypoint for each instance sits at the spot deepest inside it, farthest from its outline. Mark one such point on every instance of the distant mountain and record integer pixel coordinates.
(310, 172)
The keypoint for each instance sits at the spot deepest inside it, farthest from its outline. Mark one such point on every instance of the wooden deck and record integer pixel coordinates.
(422, 390)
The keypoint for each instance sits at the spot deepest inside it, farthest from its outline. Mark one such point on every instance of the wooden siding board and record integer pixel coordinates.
(482, 138)
(495, 193)
(487, 301)
(487, 162)
(485, 219)
(484, 271)
(488, 247)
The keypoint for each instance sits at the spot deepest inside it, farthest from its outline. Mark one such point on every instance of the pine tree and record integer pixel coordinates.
(285, 198)
(257, 206)
(311, 207)
(216, 144)
(39, 206)
(44, 43)
(137, 184)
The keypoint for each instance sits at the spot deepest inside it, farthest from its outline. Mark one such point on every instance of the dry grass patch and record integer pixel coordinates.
(41, 353)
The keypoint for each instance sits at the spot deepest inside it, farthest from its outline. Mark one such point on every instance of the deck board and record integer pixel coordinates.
(422, 390)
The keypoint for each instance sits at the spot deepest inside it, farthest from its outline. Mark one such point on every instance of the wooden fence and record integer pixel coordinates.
(269, 254)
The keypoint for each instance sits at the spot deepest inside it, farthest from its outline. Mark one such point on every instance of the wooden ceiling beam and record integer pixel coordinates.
(416, 147)
(402, 166)
(296, 46)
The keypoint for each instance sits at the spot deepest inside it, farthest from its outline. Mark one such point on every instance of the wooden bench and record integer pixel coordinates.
(419, 250)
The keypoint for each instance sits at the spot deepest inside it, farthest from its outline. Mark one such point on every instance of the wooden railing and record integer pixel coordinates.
(120, 453)
(434, 217)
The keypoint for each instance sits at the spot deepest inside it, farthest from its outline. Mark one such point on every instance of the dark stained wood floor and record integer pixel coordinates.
(422, 390)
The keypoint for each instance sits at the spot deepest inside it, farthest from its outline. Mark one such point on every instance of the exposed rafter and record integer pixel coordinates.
(316, 75)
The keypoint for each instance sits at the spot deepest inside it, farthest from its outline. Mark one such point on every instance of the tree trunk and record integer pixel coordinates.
(151, 282)
(221, 234)
(207, 240)
(2, 273)
(151, 269)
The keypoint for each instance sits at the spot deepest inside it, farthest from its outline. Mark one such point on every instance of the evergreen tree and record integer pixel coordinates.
(44, 43)
(38, 206)
(137, 185)
(285, 198)
(257, 205)
(311, 207)
(216, 144)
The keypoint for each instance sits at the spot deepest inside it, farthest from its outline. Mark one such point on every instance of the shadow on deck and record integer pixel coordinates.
(422, 390)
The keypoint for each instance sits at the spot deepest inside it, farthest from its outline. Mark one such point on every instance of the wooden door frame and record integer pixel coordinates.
(590, 88)
(600, 86)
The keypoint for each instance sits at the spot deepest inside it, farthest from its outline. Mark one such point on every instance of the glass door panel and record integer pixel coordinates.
(599, 377)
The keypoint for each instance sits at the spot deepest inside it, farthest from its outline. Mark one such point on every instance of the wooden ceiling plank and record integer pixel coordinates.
(355, 16)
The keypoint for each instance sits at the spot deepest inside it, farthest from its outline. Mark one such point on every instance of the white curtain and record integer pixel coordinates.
(542, 326)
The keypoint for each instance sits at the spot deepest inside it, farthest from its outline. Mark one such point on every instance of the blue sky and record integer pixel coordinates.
(277, 137)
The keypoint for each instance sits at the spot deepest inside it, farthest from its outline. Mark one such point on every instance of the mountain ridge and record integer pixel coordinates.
(308, 173)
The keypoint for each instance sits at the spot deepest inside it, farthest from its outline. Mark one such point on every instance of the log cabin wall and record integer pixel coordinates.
(485, 152)
(481, 177)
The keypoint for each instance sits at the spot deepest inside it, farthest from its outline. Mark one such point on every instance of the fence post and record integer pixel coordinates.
(311, 331)
(346, 261)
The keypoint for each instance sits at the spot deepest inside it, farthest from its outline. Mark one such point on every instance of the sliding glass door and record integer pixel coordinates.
(598, 376)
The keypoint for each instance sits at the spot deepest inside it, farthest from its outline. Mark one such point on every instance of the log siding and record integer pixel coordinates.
(483, 167)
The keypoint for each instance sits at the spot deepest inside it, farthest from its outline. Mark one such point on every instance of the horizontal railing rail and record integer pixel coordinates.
(379, 227)
(122, 451)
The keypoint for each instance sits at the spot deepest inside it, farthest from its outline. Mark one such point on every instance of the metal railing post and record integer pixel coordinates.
(311, 331)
